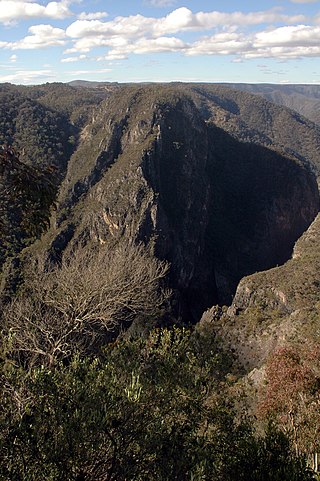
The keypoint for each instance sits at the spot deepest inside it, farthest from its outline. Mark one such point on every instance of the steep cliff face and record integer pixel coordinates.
(155, 165)
(274, 307)
(262, 202)
(147, 181)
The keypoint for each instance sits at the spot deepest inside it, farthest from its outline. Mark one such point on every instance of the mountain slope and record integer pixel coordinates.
(40, 134)
(275, 307)
(168, 165)
(305, 99)
(251, 119)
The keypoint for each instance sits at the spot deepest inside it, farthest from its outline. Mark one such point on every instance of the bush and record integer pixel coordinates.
(74, 306)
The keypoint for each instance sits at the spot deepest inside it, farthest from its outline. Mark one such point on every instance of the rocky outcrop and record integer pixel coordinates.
(275, 307)
(156, 165)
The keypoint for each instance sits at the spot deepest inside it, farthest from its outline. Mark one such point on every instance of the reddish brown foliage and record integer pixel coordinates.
(291, 395)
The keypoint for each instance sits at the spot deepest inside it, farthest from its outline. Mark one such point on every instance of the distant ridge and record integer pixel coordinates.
(89, 83)
(303, 98)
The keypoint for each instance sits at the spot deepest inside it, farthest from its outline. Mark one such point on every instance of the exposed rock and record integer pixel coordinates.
(217, 181)
(156, 166)
(275, 307)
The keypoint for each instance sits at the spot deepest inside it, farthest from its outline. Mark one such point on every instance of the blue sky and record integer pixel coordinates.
(160, 40)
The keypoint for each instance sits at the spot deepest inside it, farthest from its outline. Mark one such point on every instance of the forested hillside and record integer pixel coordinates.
(39, 130)
(127, 211)
(27, 195)
(305, 99)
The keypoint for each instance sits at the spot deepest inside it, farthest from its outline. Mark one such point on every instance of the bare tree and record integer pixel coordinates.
(74, 305)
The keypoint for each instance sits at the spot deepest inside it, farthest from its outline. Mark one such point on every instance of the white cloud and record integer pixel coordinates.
(146, 45)
(92, 16)
(13, 58)
(28, 76)
(77, 73)
(179, 20)
(88, 43)
(70, 59)
(261, 45)
(42, 36)
(74, 59)
(11, 10)
(160, 44)
(293, 36)
(140, 34)
(283, 53)
(227, 34)
(224, 43)
(183, 19)
(112, 56)
(282, 43)
(132, 26)
(286, 43)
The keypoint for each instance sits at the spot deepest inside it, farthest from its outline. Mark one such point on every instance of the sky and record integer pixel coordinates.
(271, 41)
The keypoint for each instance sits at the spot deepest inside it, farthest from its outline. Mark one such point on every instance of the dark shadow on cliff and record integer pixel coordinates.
(257, 203)
(261, 203)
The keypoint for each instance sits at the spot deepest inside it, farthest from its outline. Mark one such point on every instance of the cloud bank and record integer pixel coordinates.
(11, 10)
(262, 34)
